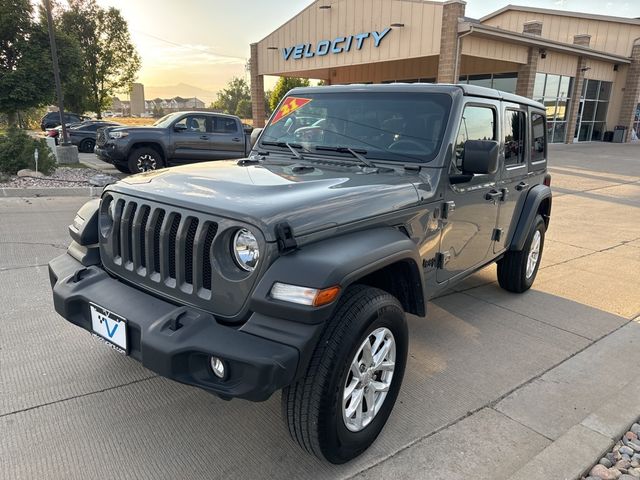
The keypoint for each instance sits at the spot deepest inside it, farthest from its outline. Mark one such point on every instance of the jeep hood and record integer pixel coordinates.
(269, 193)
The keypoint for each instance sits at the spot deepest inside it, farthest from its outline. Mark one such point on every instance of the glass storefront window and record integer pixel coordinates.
(538, 86)
(591, 92)
(500, 81)
(554, 91)
(565, 87)
(605, 91)
(506, 82)
(552, 86)
(588, 111)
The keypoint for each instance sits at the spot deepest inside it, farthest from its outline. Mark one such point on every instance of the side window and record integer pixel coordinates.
(538, 137)
(478, 123)
(194, 124)
(515, 127)
(224, 125)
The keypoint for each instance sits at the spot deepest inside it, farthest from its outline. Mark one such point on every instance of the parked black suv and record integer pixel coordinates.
(294, 268)
(180, 137)
(52, 119)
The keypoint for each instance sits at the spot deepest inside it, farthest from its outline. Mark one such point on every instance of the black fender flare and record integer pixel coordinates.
(536, 196)
(339, 261)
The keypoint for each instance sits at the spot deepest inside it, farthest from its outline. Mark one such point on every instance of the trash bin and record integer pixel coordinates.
(608, 136)
(618, 133)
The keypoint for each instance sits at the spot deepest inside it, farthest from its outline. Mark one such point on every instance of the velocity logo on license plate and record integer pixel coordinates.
(109, 326)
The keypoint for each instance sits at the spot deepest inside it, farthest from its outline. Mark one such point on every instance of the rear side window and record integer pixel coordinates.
(515, 126)
(478, 123)
(538, 137)
(224, 125)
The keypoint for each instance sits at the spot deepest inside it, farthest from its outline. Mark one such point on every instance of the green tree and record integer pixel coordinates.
(25, 62)
(110, 60)
(283, 85)
(230, 97)
(244, 109)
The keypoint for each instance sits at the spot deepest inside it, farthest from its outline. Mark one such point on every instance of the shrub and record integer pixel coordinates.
(16, 153)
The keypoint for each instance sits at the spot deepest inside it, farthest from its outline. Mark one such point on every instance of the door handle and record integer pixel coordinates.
(235, 139)
(493, 195)
(204, 137)
(521, 186)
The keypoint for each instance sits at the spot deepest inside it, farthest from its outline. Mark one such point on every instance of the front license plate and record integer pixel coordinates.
(109, 326)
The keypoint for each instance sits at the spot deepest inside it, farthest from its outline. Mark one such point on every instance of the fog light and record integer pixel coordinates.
(217, 365)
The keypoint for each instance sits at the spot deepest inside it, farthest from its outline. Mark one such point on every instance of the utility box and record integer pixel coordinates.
(618, 134)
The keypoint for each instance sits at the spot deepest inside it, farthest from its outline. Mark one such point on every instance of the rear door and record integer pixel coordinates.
(227, 138)
(466, 241)
(514, 170)
(191, 138)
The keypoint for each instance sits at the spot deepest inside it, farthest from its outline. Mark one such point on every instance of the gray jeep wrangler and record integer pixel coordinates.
(294, 269)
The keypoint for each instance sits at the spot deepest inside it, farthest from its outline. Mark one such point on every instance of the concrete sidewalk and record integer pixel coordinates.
(497, 384)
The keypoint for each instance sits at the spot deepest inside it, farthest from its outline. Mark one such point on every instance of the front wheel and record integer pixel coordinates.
(86, 146)
(144, 159)
(517, 270)
(339, 407)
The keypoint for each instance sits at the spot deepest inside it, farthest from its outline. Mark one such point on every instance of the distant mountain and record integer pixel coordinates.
(183, 90)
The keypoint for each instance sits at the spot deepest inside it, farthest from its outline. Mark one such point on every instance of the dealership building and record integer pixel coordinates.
(584, 68)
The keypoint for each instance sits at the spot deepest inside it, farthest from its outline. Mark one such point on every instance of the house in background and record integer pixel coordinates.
(175, 104)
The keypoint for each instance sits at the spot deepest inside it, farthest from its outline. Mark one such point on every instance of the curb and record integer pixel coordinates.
(579, 448)
(51, 192)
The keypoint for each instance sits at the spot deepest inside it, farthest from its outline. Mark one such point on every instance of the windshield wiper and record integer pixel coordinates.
(359, 154)
(294, 147)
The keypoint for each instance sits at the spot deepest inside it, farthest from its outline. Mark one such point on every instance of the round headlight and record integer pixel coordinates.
(245, 250)
(107, 215)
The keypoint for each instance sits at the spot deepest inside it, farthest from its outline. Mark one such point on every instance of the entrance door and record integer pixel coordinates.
(466, 240)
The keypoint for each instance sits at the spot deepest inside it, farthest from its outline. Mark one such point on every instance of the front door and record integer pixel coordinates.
(191, 138)
(472, 206)
(514, 171)
(576, 134)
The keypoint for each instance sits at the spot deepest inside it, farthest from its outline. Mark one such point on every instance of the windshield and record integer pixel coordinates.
(399, 126)
(165, 121)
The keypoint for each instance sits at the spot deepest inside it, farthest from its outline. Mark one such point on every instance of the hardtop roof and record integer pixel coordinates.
(451, 89)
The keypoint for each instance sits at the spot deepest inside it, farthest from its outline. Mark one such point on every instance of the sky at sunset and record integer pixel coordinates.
(203, 43)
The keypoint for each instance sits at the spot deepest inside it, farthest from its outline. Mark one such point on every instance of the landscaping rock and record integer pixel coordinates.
(606, 462)
(605, 473)
(635, 428)
(25, 172)
(631, 436)
(626, 450)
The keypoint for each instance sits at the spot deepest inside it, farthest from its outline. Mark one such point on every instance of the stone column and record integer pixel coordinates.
(257, 90)
(527, 72)
(631, 95)
(449, 56)
(578, 82)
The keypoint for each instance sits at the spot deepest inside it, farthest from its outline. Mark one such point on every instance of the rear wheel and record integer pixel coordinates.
(87, 145)
(338, 408)
(144, 159)
(517, 270)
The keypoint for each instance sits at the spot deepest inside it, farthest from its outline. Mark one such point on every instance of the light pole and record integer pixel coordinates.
(56, 71)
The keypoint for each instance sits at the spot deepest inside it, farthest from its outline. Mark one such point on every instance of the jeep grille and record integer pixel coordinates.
(168, 251)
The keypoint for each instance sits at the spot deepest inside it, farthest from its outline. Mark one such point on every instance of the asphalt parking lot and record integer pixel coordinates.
(493, 378)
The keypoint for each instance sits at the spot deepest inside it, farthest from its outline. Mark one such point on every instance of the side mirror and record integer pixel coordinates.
(480, 157)
(180, 127)
(254, 135)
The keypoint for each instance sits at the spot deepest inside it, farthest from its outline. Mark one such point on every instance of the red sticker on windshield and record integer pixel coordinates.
(290, 105)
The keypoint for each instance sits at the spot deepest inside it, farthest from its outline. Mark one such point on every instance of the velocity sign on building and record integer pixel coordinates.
(584, 68)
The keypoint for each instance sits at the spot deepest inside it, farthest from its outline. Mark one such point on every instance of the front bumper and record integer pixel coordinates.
(256, 366)
(110, 153)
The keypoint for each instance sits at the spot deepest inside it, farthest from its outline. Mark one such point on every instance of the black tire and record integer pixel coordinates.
(312, 407)
(144, 159)
(124, 168)
(87, 145)
(512, 268)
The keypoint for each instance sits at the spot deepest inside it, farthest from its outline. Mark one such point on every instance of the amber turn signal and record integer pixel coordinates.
(326, 296)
